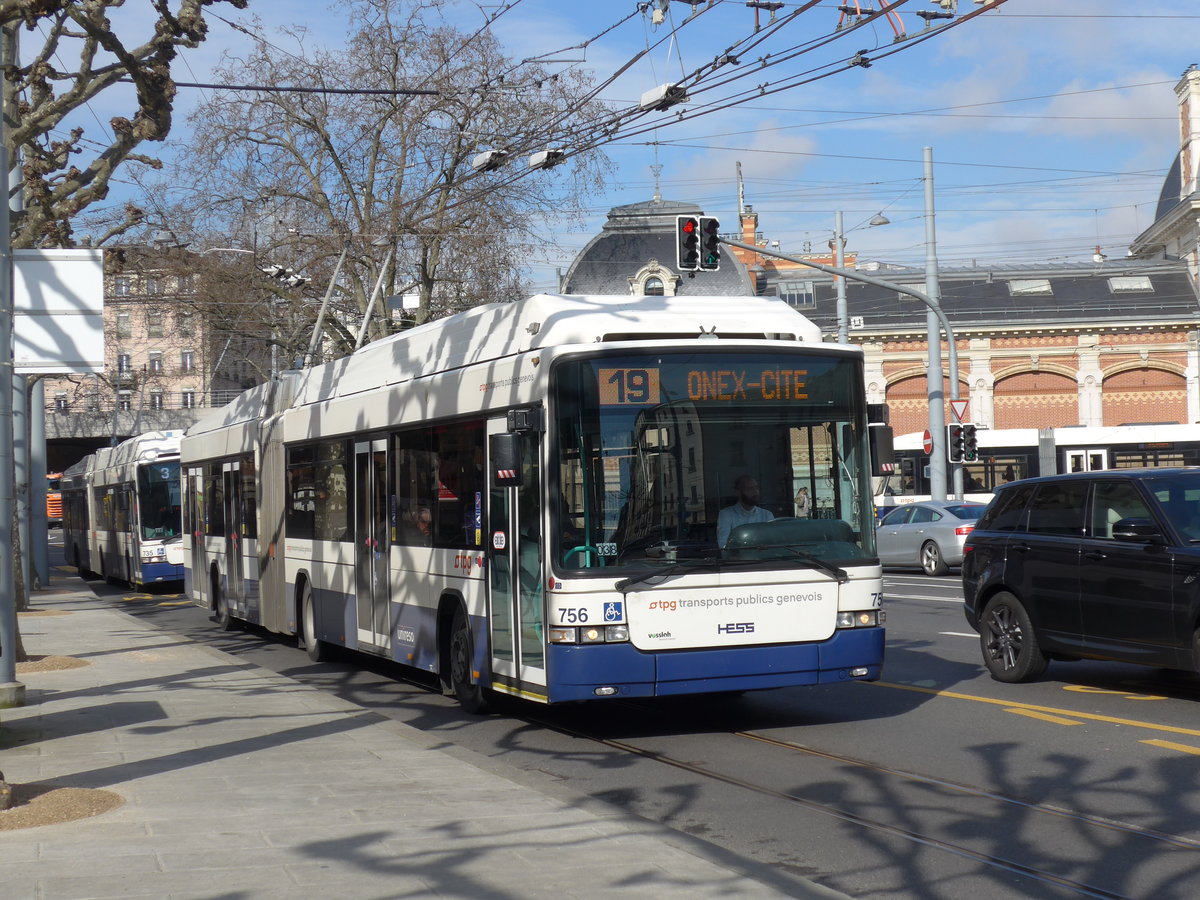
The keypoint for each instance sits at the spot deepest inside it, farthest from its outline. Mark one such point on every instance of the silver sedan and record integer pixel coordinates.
(929, 534)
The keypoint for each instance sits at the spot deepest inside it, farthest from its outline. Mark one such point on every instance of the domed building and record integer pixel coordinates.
(635, 254)
(1175, 233)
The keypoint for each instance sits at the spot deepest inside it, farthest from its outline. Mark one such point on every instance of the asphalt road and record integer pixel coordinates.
(936, 782)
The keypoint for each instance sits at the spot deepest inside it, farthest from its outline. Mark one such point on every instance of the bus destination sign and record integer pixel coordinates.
(643, 387)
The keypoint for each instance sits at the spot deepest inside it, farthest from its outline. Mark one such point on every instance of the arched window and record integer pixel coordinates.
(653, 287)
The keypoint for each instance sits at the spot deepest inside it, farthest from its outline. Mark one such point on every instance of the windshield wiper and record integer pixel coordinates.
(625, 584)
(830, 569)
(674, 569)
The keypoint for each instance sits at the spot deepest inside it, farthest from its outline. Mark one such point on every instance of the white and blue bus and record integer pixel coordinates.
(525, 498)
(122, 516)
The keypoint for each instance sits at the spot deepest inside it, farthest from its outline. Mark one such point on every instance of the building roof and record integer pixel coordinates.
(1126, 291)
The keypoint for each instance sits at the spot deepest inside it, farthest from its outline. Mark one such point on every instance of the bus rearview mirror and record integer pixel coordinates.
(505, 452)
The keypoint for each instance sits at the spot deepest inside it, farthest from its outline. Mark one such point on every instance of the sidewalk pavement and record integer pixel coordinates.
(242, 784)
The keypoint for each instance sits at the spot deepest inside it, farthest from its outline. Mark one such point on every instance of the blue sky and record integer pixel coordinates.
(1056, 120)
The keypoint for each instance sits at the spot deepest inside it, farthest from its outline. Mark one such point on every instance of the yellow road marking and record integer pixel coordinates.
(1091, 717)
(1085, 689)
(1171, 745)
(1045, 717)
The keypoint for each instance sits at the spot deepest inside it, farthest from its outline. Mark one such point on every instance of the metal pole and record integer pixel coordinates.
(935, 388)
(21, 488)
(939, 437)
(933, 288)
(12, 693)
(39, 563)
(839, 260)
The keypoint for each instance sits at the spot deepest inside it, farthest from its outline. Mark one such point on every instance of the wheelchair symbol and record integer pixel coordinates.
(612, 611)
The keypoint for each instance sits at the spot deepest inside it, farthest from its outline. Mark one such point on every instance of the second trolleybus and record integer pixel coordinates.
(121, 511)
(1010, 454)
(525, 498)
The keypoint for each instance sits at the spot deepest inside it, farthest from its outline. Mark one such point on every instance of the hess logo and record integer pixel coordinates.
(736, 628)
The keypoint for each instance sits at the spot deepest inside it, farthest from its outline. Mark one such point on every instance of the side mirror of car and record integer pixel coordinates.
(1137, 530)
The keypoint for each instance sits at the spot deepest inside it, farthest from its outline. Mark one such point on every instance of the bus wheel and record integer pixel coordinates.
(224, 615)
(316, 649)
(468, 694)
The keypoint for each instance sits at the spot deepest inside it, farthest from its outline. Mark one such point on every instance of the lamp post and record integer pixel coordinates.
(935, 386)
(839, 260)
(931, 298)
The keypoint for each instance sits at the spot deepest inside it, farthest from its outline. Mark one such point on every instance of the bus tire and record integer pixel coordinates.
(222, 613)
(317, 650)
(469, 695)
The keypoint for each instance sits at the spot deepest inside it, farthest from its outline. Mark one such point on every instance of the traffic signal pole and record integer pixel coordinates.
(937, 459)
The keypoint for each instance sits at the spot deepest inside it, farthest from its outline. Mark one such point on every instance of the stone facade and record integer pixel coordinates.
(161, 361)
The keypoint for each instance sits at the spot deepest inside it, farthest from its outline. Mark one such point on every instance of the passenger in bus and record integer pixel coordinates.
(745, 511)
(418, 527)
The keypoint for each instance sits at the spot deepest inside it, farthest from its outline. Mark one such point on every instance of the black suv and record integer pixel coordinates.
(1104, 565)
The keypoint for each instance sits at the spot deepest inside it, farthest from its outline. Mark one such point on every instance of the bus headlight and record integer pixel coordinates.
(863, 619)
(616, 633)
(591, 635)
(562, 635)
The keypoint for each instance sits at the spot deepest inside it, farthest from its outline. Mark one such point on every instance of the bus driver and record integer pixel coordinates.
(745, 511)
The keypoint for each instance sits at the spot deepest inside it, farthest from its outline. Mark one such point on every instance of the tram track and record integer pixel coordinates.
(994, 861)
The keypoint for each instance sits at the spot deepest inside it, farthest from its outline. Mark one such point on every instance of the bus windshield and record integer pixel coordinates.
(711, 457)
(158, 500)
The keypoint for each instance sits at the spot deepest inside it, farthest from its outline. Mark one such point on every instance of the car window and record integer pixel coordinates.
(1113, 501)
(1057, 507)
(897, 516)
(970, 511)
(1007, 511)
(1178, 495)
(923, 514)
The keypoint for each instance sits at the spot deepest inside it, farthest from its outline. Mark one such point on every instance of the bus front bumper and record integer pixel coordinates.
(594, 671)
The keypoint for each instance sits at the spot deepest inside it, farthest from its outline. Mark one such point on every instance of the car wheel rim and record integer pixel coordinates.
(929, 556)
(1004, 641)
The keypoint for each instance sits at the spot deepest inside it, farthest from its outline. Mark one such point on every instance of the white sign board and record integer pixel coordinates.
(58, 311)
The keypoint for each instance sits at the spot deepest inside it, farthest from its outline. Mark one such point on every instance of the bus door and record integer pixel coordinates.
(371, 543)
(517, 604)
(1091, 460)
(196, 572)
(235, 569)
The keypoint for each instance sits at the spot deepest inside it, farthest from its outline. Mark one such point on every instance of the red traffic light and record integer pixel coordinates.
(689, 225)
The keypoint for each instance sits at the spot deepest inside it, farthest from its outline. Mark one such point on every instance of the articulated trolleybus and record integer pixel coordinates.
(562, 499)
(121, 511)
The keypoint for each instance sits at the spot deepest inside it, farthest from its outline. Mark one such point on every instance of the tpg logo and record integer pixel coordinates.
(736, 628)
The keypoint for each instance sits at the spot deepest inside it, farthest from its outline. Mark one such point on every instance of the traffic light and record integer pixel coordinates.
(954, 443)
(687, 243)
(710, 244)
(970, 443)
